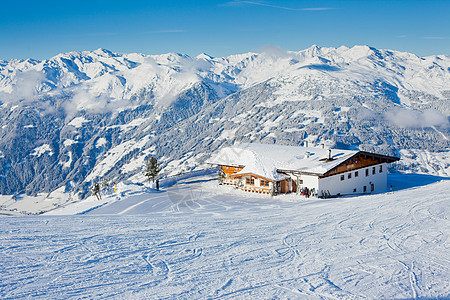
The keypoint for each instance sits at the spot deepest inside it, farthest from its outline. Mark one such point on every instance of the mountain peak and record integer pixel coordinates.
(104, 52)
(204, 56)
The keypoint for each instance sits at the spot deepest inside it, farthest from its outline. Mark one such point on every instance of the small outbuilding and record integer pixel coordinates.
(275, 169)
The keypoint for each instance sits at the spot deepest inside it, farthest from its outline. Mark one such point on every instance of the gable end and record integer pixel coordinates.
(360, 160)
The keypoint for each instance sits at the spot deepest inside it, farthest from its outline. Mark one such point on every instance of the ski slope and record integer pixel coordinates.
(198, 240)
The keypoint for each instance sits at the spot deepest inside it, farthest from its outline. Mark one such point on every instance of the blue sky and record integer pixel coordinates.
(42, 29)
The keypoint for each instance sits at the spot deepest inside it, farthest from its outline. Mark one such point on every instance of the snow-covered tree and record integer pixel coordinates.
(221, 176)
(96, 191)
(151, 168)
(240, 183)
(104, 183)
(274, 189)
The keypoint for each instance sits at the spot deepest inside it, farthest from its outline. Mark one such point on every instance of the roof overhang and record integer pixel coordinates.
(389, 159)
(227, 165)
(251, 174)
(298, 172)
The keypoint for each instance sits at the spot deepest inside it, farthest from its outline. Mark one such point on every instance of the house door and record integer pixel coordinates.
(284, 186)
(294, 186)
(372, 187)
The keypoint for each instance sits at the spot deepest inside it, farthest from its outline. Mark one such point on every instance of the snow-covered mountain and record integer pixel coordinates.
(83, 116)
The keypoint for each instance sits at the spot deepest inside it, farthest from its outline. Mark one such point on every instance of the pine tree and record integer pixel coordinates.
(104, 184)
(274, 189)
(240, 183)
(96, 191)
(151, 169)
(222, 176)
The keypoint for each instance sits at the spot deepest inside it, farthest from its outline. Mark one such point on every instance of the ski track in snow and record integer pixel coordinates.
(195, 240)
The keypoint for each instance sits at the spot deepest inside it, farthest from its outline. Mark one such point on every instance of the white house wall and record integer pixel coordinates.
(309, 181)
(335, 185)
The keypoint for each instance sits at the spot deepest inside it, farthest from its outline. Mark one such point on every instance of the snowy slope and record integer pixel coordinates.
(84, 116)
(197, 240)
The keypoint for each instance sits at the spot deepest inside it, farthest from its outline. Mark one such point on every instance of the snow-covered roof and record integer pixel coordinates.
(265, 160)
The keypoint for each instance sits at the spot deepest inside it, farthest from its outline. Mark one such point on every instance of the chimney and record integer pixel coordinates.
(329, 153)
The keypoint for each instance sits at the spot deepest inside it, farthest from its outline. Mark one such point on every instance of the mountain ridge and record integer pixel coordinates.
(97, 114)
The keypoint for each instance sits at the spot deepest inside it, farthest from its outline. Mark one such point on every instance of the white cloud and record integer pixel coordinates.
(274, 52)
(83, 99)
(432, 117)
(407, 118)
(29, 89)
(26, 87)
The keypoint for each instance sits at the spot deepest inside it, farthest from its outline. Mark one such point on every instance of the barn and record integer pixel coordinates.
(277, 169)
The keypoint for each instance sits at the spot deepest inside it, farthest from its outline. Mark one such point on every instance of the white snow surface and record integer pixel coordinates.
(100, 142)
(26, 205)
(197, 240)
(69, 142)
(38, 151)
(78, 122)
(265, 159)
(68, 163)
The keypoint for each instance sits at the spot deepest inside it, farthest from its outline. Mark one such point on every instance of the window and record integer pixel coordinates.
(373, 170)
(342, 177)
(356, 174)
(250, 181)
(354, 190)
(365, 189)
(300, 181)
(372, 187)
(349, 175)
(264, 182)
(367, 172)
(381, 169)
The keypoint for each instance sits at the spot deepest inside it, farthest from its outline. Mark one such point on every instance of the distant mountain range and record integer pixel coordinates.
(84, 116)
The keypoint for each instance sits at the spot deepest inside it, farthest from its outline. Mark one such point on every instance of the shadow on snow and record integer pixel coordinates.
(408, 181)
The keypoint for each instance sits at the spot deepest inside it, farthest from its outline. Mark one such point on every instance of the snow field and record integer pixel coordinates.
(43, 202)
(198, 240)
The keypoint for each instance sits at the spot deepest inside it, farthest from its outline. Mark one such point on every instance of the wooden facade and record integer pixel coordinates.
(251, 175)
(358, 161)
(230, 170)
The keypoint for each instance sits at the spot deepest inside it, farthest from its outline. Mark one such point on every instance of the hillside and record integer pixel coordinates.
(197, 239)
(83, 116)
